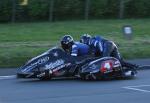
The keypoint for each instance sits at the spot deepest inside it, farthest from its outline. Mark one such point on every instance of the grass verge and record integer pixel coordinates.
(22, 41)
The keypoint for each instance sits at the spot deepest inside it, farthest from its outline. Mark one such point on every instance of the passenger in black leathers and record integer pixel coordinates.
(105, 48)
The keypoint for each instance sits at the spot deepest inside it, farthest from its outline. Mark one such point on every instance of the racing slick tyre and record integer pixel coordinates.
(46, 75)
(82, 77)
(87, 77)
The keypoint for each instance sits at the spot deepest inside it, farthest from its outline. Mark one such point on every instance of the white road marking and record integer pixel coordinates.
(7, 77)
(140, 86)
(136, 88)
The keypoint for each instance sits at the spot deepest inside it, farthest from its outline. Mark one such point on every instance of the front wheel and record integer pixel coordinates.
(46, 75)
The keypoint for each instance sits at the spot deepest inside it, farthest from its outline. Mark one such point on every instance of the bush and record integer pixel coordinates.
(5, 10)
(38, 10)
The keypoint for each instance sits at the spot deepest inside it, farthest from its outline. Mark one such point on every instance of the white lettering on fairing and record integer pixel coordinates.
(40, 61)
(54, 64)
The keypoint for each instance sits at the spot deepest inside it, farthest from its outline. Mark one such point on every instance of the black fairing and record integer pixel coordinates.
(95, 66)
(54, 59)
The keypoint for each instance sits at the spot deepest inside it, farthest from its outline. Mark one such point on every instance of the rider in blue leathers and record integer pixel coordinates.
(74, 48)
(104, 48)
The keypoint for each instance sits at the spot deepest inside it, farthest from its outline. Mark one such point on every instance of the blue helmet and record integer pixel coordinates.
(85, 38)
(66, 42)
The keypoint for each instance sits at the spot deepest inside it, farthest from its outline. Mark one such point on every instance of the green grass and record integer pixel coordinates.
(22, 41)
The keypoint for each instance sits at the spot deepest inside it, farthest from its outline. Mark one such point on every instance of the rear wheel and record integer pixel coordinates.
(85, 77)
(88, 77)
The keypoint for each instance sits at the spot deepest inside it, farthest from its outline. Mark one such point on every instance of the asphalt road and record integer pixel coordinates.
(135, 90)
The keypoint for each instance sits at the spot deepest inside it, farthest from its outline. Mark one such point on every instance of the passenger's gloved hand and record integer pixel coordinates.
(45, 75)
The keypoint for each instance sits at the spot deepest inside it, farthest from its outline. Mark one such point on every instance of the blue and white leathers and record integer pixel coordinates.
(79, 49)
(103, 47)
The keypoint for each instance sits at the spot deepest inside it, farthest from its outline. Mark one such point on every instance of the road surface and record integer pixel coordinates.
(135, 90)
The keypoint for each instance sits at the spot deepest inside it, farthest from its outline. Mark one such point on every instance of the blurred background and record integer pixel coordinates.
(30, 27)
(58, 10)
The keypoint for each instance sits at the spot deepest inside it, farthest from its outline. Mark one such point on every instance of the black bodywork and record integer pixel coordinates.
(57, 63)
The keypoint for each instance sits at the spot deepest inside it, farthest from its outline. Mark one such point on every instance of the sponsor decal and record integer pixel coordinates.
(93, 66)
(32, 65)
(60, 70)
(54, 64)
(41, 75)
(107, 67)
(60, 67)
(43, 60)
(94, 71)
(55, 54)
(118, 65)
(117, 62)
